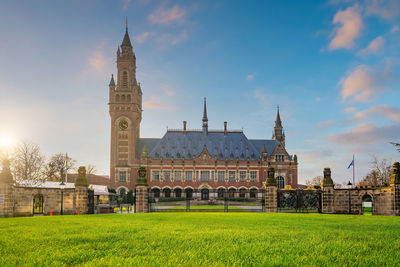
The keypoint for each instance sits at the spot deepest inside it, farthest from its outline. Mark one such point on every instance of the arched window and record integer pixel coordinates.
(189, 192)
(117, 98)
(205, 194)
(253, 193)
(231, 193)
(167, 192)
(125, 79)
(280, 182)
(242, 193)
(128, 98)
(178, 192)
(123, 98)
(122, 192)
(221, 193)
(38, 204)
(156, 192)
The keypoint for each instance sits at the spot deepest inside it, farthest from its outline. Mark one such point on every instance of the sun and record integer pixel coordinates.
(6, 140)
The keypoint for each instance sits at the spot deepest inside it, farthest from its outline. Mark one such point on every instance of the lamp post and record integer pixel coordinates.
(62, 186)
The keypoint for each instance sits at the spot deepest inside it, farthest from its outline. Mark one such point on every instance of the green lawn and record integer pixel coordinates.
(201, 239)
(206, 207)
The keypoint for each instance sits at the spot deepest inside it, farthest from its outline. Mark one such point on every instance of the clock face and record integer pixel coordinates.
(123, 125)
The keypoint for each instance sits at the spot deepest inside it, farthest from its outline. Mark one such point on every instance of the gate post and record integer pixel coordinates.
(6, 191)
(271, 192)
(395, 186)
(142, 193)
(81, 189)
(327, 192)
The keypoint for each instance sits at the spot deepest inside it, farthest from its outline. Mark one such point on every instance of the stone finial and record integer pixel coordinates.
(271, 181)
(5, 175)
(395, 179)
(327, 181)
(82, 179)
(142, 180)
(295, 158)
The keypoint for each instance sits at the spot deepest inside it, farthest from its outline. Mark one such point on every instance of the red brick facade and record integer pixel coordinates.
(249, 159)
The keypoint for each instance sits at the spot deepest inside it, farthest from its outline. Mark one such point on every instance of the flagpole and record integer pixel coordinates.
(354, 181)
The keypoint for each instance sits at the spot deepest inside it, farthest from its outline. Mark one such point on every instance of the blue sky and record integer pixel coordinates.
(332, 66)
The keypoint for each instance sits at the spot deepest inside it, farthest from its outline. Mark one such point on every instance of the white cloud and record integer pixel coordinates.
(367, 134)
(141, 38)
(125, 4)
(386, 9)
(172, 39)
(388, 111)
(350, 109)
(395, 28)
(166, 16)
(325, 124)
(250, 76)
(169, 91)
(153, 104)
(363, 83)
(373, 48)
(351, 25)
(97, 60)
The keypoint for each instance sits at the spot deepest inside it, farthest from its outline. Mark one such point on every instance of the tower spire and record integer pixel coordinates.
(278, 122)
(205, 119)
(127, 40)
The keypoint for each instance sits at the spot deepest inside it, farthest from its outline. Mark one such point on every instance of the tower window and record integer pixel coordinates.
(125, 79)
(128, 98)
(123, 98)
(117, 98)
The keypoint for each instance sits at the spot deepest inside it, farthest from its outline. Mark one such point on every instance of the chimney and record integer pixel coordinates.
(184, 127)
(225, 127)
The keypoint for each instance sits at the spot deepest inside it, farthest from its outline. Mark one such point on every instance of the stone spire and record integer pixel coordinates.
(278, 122)
(205, 119)
(127, 40)
(112, 83)
(278, 129)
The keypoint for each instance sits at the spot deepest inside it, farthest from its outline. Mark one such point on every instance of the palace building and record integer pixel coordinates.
(186, 159)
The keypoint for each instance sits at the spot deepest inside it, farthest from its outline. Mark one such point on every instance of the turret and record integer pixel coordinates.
(205, 118)
(278, 130)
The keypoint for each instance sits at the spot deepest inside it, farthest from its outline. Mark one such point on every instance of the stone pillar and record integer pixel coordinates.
(327, 192)
(6, 191)
(395, 186)
(142, 193)
(81, 189)
(271, 192)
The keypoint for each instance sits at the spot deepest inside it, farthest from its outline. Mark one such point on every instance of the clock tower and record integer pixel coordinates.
(125, 107)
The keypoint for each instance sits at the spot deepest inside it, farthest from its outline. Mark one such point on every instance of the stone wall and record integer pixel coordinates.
(24, 197)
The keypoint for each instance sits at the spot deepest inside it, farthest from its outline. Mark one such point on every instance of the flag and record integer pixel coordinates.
(351, 164)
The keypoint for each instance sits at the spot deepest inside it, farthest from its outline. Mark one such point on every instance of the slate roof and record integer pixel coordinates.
(127, 40)
(232, 145)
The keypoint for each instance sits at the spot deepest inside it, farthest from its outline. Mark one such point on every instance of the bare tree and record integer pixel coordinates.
(316, 181)
(381, 171)
(56, 169)
(27, 163)
(91, 169)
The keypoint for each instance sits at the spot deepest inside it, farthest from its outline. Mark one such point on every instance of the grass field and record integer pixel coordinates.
(205, 207)
(194, 239)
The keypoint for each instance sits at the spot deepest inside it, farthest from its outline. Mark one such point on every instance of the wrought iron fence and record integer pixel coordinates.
(299, 200)
(206, 200)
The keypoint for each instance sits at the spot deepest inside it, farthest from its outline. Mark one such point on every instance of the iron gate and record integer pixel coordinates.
(299, 200)
(206, 200)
